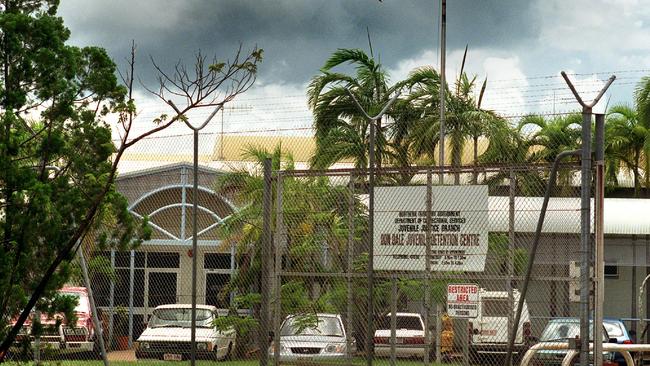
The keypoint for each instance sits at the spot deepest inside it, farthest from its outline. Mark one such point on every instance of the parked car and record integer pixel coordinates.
(321, 339)
(616, 330)
(69, 338)
(409, 336)
(168, 334)
(489, 330)
(561, 330)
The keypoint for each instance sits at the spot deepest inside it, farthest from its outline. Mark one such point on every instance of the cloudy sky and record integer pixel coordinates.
(520, 45)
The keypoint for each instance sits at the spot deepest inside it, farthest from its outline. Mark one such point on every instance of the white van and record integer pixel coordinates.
(489, 331)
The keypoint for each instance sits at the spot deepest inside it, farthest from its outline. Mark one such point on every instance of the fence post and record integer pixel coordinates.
(350, 258)
(393, 317)
(511, 248)
(278, 246)
(585, 221)
(264, 259)
(599, 267)
(427, 287)
(111, 302)
(371, 208)
(585, 234)
(131, 290)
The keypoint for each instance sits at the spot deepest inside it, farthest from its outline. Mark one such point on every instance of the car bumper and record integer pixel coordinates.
(303, 358)
(546, 358)
(185, 355)
(81, 346)
(68, 347)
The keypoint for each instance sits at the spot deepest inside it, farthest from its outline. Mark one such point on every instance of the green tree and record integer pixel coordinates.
(54, 98)
(418, 123)
(544, 140)
(465, 119)
(57, 158)
(508, 146)
(642, 100)
(342, 131)
(315, 215)
(548, 137)
(627, 145)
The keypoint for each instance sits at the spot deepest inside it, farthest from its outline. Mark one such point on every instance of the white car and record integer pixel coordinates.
(409, 336)
(168, 334)
(301, 341)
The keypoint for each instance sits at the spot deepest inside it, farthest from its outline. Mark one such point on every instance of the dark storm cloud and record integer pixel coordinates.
(297, 35)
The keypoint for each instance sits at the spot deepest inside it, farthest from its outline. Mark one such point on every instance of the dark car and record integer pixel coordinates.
(561, 330)
(616, 329)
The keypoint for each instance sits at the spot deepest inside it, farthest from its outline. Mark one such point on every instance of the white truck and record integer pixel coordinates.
(489, 331)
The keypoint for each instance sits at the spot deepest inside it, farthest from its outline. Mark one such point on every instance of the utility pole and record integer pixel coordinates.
(443, 89)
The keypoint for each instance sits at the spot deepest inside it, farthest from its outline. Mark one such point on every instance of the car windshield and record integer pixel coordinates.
(558, 330)
(181, 318)
(326, 326)
(82, 302)
(614, 329)
(403, 322)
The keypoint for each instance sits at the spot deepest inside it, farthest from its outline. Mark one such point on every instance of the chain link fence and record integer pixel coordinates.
(458, 307)
(431, 274)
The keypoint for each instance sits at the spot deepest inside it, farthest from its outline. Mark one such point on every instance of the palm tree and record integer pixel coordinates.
(342, 132)
(546, 138)
(417, 124)
(642, 100)
(315, 214)
(627, 144)
(550, 136)
(465, 119)
(507, 146)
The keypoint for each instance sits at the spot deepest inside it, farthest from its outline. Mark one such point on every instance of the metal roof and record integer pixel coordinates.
(622, 216)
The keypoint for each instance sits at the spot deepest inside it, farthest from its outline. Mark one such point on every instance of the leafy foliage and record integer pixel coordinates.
(55, 155)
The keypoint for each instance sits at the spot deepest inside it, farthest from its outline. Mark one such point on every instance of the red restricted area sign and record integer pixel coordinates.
(462, 300)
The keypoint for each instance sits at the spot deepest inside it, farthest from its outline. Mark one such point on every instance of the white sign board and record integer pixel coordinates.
(458, 232)
(462, 301)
